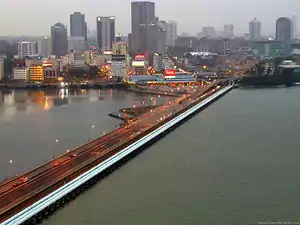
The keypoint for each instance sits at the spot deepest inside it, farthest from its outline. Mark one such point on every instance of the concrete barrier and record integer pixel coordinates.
(40, 205)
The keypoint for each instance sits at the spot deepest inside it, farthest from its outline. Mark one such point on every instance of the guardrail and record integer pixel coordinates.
(41, 204)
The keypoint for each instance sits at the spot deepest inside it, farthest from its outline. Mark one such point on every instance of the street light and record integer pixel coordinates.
(5, 172)
(89, 132)
(53, 150)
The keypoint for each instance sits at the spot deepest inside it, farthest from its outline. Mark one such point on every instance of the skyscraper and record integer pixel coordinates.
(106, 33)
(59, 35)
(27, 48)
(283, 29)
(294, 25)
(255, 29)
(171, 33)
(228, 30)
(77, 25)
(142, 15)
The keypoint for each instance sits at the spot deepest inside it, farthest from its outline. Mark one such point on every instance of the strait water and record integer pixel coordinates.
(236, 162)
(31, 121)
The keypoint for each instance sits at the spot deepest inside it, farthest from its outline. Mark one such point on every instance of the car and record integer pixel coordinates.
(56, 164)
(106, 139)
(73, 155)
(20, 181)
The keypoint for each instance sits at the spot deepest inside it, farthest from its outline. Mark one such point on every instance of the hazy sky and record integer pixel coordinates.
(20, 17)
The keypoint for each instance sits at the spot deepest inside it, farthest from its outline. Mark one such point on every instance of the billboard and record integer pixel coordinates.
(139, 57)
(170, 73)
(138, 63)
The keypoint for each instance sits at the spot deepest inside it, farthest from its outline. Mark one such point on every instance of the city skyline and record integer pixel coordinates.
(238, 13)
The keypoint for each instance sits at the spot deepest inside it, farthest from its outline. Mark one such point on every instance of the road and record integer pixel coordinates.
(15, 194)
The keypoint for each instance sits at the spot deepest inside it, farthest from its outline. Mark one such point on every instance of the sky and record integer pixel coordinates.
(21, 18)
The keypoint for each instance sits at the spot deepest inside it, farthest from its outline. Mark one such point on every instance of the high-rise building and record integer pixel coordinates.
(208, 32)
(120, 48)
(78, 32)
(283, 29)
(255, 29)
(1, 68)
(44, 46)
(156, 39)
(77, 25)
(171, 33)
(27, 48)
(142, 15)
(59, 36)
(294, 25)
(158, 62)
(228, 30)
(106, 33)
(118, 67)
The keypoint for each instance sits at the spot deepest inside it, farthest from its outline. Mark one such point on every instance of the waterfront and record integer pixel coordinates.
(32, 120)
(234, 163)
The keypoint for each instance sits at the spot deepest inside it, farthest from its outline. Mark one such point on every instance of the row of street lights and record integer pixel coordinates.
(10, 162)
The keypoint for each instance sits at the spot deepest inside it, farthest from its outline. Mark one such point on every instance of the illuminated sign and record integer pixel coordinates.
(47, 64)
(139, 57)
(108, 52)
(138, 63)
(170, 72)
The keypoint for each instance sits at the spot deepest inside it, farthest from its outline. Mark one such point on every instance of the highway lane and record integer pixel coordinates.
(16, 196)
(8, 185)
(100, 149)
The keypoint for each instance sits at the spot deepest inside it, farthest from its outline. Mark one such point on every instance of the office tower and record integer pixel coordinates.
(171, 33)
(27, 48)
(1, 68)
(208, 32)
(283, 29)
(77, 25)
(59, 37)
(255, 29)
(44, 46)
(77, 39)
(106, 32)
(294, 26)
(142, 15)
(228, 30)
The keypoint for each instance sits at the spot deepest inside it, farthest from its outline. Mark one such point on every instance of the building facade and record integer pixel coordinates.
(20, 73)
(171, 33)
(283, 29)
(255, 29)
(294, 26)
(27, 48)
(158, 62)
(106, 33)
(44, 46)
(118, 67)
(59, 36)
(208, 32)
(1, 68)
(228, 30)
(77, 25)
(142, 15)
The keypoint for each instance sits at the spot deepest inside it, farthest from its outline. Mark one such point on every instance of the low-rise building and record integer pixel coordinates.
(118, 67)
(50, 69)
(36, 73)
(20, 73)
(158, 62)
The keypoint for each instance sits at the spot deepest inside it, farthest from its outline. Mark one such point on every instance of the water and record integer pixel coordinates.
(32, 121)
(236, 162)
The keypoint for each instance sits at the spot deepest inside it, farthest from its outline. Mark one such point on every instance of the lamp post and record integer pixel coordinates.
(5, 172)
(89, 132)
(53, 150)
